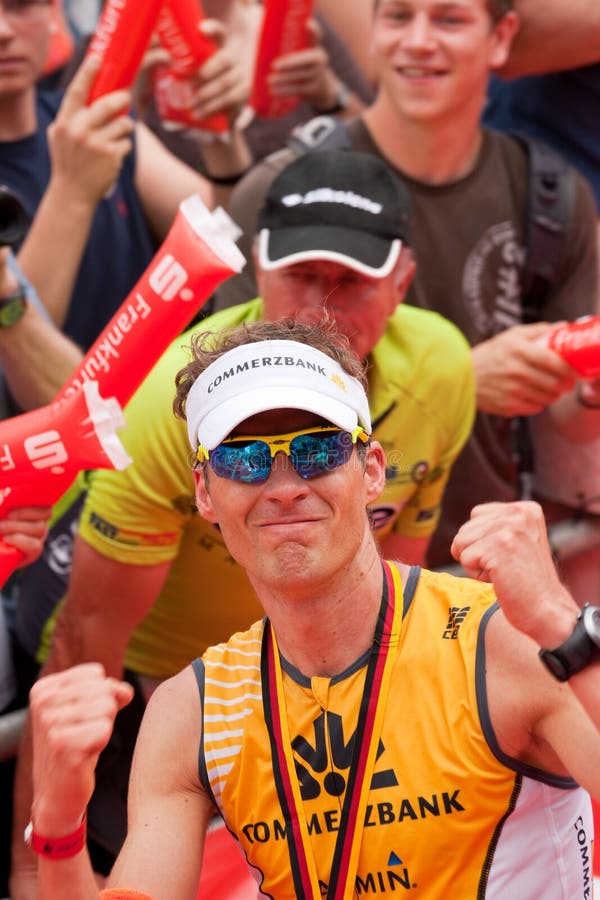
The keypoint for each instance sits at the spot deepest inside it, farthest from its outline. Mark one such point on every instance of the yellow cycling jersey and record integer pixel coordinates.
(421, 394)
(447, 814)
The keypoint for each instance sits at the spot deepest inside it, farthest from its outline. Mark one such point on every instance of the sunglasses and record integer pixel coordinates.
(312, 452)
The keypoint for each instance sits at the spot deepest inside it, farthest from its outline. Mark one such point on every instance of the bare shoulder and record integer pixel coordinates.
(176, 704)
(170, 733)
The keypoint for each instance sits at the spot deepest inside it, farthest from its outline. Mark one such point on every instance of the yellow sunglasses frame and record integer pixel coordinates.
(280, 443)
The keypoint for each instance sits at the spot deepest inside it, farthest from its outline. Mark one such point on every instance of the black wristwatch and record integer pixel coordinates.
(581, 647)
(12, 308)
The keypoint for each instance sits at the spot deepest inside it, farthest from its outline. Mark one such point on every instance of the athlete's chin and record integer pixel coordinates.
(293, 561)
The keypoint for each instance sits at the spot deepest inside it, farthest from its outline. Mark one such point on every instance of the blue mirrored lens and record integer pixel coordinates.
(249, 462)
(311, 455)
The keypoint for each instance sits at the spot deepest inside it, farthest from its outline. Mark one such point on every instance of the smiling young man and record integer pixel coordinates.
(290, 730)
(469, 189)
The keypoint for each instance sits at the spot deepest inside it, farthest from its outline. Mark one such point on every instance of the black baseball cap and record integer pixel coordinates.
(340, 205)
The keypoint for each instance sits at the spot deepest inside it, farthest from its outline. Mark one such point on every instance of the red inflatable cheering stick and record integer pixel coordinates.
(42, 451)
(179, 33)
(579, 344)
(120, 40)
(196, 256)
(284, 30)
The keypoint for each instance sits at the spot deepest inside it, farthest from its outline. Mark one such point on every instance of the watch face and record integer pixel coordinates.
(11, 310)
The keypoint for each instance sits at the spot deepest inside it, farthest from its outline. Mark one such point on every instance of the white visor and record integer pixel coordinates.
(267, 375)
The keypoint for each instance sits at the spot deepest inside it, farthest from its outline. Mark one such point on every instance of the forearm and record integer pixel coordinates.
(76, 873)
(66, 879)
(52, 252)
(554, 35)
(162, 181)
(36, 359)
(554, 626)
(76, 639)
(226, 161)
(62, 878)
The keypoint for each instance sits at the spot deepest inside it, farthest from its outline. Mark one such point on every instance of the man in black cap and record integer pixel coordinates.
(332, 240)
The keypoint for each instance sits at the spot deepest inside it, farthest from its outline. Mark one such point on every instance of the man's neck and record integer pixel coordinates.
(18, 117)
(437, 154)
(325, 631)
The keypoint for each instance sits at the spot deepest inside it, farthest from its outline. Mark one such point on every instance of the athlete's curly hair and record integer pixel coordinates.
(207, 346)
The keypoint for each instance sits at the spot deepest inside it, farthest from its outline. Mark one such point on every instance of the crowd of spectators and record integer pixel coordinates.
(422, 108)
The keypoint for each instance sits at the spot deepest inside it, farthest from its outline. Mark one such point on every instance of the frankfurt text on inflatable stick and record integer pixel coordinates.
(196, 256)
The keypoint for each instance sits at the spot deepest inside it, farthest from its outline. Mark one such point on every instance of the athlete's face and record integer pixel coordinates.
(433, 57)
(24, 40)
(360, 305)
(292, 533)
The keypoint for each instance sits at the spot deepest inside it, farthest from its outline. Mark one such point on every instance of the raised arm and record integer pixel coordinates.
(105, 601)
(551, 725)
(163, 180)
(554, 35)
(73, 714)
(87, 147)
(35, 357)
(72, 718)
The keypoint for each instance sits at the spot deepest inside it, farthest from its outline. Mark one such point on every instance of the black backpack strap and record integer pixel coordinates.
(551, 193)
(550, 202)
(320, 133)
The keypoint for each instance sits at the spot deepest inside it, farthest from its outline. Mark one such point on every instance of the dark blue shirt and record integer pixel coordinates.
(119, 246)
(560, 108)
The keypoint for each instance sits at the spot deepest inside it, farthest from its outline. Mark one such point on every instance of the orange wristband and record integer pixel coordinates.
(57, 848)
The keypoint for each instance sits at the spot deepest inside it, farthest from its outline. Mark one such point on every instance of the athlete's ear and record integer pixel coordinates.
(203, 499)
(374, 471)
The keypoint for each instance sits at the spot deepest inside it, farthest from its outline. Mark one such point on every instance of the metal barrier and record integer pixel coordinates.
(568, 539)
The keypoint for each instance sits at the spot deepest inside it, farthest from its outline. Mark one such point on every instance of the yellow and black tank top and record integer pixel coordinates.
(448, 815)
